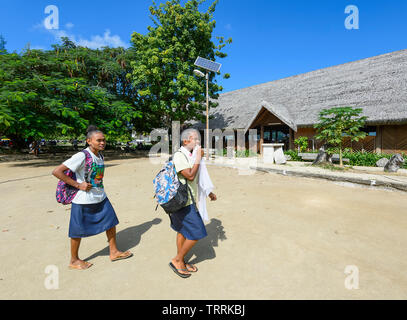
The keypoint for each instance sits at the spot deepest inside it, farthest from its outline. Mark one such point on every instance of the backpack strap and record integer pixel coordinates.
(88, 164)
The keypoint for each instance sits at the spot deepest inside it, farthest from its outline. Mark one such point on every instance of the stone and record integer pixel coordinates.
(279, 157)
(323, 156)
(394, 163)
(382, 162)
(287, 157)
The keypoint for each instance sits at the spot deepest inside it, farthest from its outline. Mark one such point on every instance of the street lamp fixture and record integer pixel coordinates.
(198, 73)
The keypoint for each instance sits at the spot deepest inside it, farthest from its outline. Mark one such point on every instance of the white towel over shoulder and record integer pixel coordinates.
(205, 185)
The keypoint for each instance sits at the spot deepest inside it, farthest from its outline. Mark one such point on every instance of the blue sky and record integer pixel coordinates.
(272, 39)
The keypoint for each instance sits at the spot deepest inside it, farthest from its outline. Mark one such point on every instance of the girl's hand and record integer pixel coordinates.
(199, 154)
(212, 196)
(84, 186)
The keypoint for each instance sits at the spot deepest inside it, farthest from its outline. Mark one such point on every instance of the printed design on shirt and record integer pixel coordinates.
(96, 175)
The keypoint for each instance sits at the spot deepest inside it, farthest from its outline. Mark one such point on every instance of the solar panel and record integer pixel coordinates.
(207, 64)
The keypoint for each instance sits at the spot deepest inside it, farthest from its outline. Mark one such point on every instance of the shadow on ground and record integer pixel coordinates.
(128, 238)
(204, 248)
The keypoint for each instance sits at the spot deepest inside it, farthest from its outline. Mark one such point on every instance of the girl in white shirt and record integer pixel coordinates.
(91, 211)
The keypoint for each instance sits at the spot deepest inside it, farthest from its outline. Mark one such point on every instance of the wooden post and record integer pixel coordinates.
(378, 139)
(261, 139)
(291, 140)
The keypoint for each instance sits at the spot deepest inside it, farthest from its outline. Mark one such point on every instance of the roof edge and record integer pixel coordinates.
(272, 110)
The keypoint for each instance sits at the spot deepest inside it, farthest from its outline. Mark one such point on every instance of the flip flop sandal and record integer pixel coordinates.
(192, 266)
(122, 256)
(78, 267)
(182, 275)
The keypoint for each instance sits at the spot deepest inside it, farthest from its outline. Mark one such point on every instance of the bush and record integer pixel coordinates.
(365, 159)
(293, 154)
(368, 159)
(302, 143)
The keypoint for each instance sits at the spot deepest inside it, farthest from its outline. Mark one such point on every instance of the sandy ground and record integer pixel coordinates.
(270, 237)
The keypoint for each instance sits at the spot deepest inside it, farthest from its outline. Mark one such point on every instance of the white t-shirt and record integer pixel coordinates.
(77, 164)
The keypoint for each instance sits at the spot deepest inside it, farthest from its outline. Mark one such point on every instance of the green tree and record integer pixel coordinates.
(337, 123)
(44, 94)
(164, 62)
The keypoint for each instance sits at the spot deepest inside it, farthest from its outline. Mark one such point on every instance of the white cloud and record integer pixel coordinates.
(96, 41)
(37, 48)
(99, 41)
(69, 25)
(58, 34)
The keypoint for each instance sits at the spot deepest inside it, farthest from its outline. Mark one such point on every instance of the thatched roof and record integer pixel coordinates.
(378, 85)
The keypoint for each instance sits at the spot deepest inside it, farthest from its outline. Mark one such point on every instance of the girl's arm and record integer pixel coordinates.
(59, 173)
(190, 173)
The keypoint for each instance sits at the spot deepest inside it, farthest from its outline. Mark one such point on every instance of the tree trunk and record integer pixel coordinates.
(323, 156)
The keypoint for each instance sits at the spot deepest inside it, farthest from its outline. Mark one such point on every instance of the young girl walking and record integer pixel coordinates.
(91, 211)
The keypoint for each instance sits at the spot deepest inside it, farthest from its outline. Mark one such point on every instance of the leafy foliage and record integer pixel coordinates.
(59, 92)
(364, 159)
(164, 62)
(293, 154)
(62, 91)
(302, 143)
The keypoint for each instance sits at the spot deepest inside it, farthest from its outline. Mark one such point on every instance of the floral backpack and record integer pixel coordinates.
(65, 192)
(170, 193)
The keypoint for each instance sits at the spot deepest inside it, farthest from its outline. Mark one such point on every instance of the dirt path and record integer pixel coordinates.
(270, 237)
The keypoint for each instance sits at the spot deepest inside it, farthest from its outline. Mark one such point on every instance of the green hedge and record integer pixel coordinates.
(365, 159)
(368, 159)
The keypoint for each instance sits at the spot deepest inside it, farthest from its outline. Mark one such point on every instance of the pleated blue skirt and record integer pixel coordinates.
(188, 222)
(91, 219)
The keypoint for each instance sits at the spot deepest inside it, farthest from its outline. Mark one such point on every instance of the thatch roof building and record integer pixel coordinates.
(289, 107)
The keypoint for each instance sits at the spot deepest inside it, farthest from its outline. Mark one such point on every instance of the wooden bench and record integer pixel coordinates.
(313, 156)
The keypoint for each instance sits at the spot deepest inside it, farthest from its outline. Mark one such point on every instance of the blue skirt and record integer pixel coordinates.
(188, 222)
(91, 219)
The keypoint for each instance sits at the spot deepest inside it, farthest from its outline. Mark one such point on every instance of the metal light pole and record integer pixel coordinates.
(213, 66)
(200, 74)
(207, 116)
